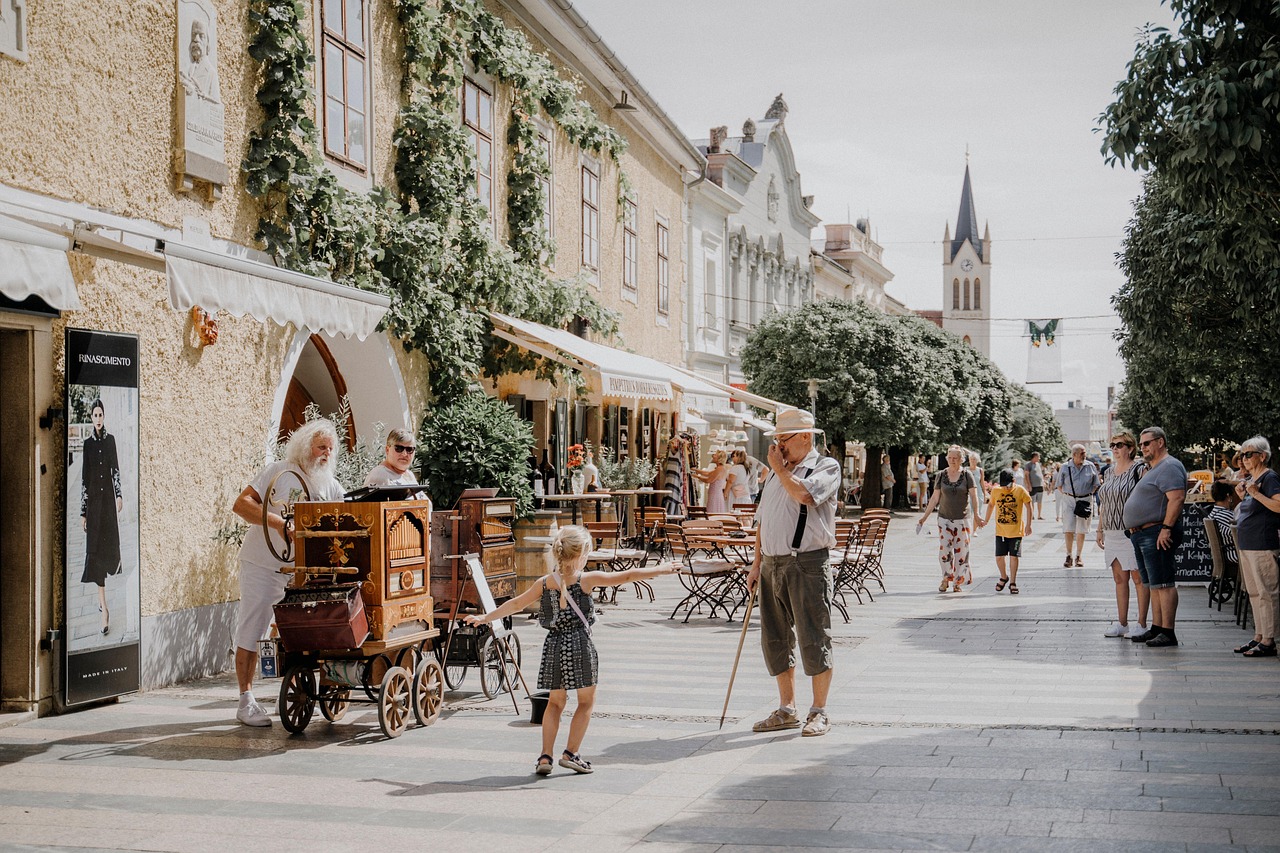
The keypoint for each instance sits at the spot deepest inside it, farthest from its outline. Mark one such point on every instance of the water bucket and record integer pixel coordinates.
(538, 705)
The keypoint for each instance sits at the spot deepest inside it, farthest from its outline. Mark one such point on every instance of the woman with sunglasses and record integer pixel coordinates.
(1117, 484)
(395, 469)
(1257, 526)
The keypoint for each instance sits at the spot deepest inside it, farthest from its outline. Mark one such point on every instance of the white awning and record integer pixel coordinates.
(693, 422)
(219, 282)
(33, 262)
(622, 374)
(762, 425)
(739, 394)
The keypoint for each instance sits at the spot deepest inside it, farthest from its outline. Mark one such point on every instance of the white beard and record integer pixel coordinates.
(321, 473)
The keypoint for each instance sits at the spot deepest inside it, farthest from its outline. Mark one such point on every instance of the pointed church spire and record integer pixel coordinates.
(967, 220)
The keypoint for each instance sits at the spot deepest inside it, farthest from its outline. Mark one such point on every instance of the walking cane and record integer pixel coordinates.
(742, 638)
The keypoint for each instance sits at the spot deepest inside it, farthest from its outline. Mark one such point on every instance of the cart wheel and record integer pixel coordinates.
(408, 658)
(297, 698)
(491, 667)
(427, 692)
(393, 702)
(513, 643)
(334, 701)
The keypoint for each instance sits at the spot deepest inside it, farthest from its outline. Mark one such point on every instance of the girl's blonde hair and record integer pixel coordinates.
(740, 457)
(570, 543)
(717, 456)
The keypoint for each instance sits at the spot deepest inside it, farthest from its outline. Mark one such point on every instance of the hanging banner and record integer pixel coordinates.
(102, 588)
(1044, 353)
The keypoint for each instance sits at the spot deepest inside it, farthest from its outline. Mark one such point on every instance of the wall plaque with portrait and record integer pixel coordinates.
(102, 619)
(201, 154)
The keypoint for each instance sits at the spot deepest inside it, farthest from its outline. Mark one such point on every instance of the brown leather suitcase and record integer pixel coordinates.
(318, 618)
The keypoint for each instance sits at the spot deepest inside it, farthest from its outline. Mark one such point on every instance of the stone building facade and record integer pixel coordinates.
(104, 182)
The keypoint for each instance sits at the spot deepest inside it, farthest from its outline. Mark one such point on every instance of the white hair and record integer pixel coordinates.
(1260, 444)
(298, 450)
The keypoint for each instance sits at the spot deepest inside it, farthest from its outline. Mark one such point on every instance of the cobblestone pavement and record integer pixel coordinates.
(971, 721)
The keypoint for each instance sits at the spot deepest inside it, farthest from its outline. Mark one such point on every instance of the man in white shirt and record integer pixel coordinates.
(794, 533)
(311, 457)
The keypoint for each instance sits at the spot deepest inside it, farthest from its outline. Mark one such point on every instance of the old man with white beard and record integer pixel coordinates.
(311, 456)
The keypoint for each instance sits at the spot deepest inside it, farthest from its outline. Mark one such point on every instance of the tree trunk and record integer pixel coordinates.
(871, 497)
(898, 461)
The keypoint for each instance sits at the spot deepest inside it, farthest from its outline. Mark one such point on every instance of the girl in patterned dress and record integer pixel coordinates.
(568, 656)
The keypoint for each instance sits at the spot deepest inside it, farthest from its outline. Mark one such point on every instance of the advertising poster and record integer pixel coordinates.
(103, 592)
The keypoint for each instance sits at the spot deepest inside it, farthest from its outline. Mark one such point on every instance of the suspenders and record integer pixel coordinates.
(804, 514)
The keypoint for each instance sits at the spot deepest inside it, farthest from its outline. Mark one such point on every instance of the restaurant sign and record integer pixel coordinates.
(633, 387)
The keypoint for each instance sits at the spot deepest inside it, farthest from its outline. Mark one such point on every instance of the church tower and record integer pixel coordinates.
(966, 276)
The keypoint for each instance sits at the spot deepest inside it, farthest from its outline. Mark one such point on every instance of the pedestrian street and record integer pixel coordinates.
(969, 721)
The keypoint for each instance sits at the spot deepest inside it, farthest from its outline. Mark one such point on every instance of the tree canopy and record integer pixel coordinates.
(888, 381)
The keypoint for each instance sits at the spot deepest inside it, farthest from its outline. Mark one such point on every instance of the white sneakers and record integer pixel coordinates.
(250, 713)
(1137, 629)
(1115, 629)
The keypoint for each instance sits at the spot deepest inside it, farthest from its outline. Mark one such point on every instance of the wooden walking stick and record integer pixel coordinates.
(742, 638)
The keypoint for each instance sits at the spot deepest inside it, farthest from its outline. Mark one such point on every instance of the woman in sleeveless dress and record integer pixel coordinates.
(715, 478)
(954, 494)
(569, 659)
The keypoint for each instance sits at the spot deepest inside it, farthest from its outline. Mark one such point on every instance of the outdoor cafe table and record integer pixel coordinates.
(575, 501)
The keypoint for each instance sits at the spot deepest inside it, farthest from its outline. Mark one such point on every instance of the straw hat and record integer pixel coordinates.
(793, 421)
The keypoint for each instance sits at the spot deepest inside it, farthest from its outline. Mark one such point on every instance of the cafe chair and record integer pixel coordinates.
(610, 555)
(703, 578)
(653, 522)
(1226, 573)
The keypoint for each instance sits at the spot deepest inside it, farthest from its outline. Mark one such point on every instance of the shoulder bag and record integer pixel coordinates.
(1084, 506)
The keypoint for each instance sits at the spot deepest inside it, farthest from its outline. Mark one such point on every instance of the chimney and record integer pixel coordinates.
(839, 238)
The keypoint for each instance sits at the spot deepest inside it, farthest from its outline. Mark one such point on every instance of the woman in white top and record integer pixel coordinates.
(737, 490)
(922, 480)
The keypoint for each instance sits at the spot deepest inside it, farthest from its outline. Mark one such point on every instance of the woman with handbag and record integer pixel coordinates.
(1078, 480)
(568, 656)
(1257, 528)
(1117, 485)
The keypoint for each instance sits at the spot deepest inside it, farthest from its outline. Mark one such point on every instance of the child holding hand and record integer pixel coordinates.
(1008, 502)
(568, 657)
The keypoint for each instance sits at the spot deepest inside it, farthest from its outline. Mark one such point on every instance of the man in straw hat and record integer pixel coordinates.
(795, 529)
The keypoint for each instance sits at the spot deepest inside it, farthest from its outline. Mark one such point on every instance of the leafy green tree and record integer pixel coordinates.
(475, 441)
(1033, 428)
(891, 382)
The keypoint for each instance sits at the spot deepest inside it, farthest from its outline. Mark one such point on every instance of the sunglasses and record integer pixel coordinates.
(1118, 444)
(1148, 441)
(405, 448)
(1249, 454)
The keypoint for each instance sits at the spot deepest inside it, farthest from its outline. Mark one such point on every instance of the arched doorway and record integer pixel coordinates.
(316, 379)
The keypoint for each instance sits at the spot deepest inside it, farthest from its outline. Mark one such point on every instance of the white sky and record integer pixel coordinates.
(884, 97)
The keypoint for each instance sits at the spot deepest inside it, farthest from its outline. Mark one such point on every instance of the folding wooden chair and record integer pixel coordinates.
(695, 511)
(610, 555)
(703, 578)
(1226, 574)
(653, 521)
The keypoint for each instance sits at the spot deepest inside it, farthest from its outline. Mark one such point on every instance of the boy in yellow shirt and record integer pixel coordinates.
(1008, 502)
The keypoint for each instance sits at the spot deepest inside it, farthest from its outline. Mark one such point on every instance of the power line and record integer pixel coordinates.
(1002, 240)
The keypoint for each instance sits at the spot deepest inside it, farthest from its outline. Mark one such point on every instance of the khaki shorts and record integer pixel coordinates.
(795, 605)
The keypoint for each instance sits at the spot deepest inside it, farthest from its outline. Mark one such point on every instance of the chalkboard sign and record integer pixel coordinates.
(1193, 561)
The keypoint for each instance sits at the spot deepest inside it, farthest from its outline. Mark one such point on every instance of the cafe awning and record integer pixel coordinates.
(740, 394)
(622, 374)
(34, 262)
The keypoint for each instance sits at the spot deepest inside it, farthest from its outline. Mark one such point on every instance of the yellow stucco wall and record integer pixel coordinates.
(90, 118)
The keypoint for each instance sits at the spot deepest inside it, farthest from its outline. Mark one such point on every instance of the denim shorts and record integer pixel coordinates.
(1155, 565)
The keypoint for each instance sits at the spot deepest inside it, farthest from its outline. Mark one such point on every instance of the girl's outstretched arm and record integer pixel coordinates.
(512, 605)
(591, 580)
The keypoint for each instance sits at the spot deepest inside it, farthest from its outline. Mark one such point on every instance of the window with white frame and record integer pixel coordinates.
(710, 296)
(13, 29)
(630, 246)
(590, 216)
(477, 117)
(344, 78)
(664, 267)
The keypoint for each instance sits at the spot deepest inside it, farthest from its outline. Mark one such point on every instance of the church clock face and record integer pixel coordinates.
(966, 265)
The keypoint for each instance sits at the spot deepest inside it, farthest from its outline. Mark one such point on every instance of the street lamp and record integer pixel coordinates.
(813, 396)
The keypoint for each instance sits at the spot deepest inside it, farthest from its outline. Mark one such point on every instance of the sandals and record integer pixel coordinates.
(574, 762)
(944, 586)
(1013, 589)
(1000, 584)
(543, 768)
(1262, 650)
(1249, 646)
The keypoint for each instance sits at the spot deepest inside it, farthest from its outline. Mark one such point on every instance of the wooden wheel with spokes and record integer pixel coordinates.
(394, 702)
(297, 697)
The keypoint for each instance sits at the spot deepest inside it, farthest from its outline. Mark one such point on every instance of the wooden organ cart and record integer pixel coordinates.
(358, 617)
(483, 524)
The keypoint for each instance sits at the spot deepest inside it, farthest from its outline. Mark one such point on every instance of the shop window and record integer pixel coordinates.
(630, 261)
(664, 283)
(477, 118)
(345, 80)
(590, 217)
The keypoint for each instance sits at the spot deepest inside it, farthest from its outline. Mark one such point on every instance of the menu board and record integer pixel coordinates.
(1193, 561)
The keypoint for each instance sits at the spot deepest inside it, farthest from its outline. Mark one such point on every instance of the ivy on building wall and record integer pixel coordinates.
(428, 244)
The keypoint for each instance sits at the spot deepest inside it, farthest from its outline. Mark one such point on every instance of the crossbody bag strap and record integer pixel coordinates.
(576, 609)
(801, 521)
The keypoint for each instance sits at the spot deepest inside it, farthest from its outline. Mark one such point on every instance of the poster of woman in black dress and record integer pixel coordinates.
(101, 502)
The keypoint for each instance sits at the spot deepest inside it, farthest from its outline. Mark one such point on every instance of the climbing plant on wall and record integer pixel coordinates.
(429, 244)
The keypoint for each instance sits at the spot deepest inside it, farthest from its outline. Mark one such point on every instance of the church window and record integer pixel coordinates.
(977, 294)
(343, 81)
(968, 341)
(477, 117)
(966, 294)
(955, 294)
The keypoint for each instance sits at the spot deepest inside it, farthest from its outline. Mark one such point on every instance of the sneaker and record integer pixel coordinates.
(1115, 629)
(777, 721)
(816, 725)
(576, 763)
(1136, 630)
(253, 714)
(1149, 634)
(1162, 640)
